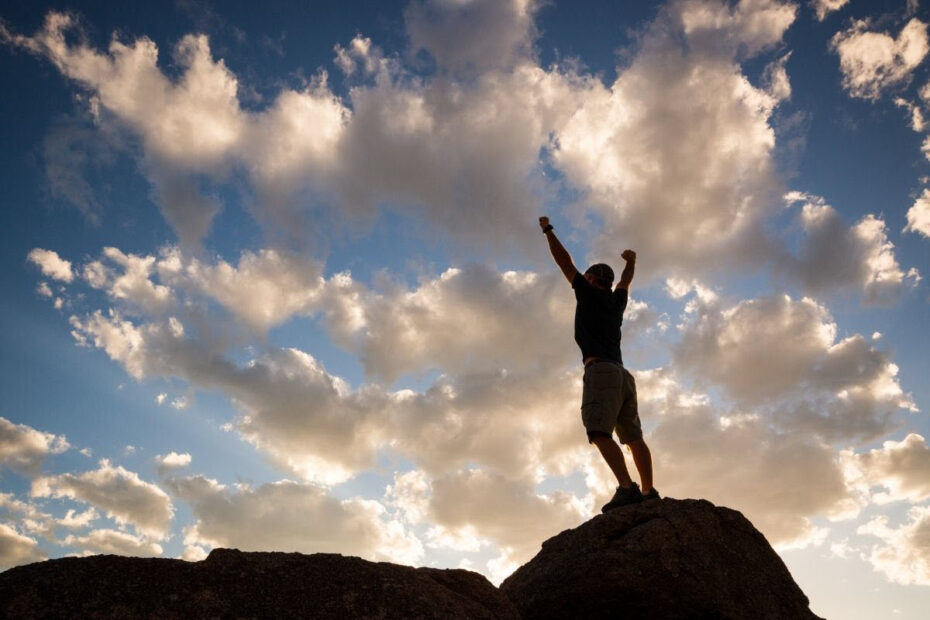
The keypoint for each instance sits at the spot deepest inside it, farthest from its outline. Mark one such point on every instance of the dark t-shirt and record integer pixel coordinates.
(598, 316)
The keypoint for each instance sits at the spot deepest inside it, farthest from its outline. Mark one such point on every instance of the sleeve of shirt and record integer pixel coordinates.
(582, 287)
(622, 296)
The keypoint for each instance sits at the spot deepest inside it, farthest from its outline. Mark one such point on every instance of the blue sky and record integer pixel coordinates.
(273, 277)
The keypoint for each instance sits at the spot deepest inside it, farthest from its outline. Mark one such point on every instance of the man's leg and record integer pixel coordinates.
(614, 457)
(642, 458)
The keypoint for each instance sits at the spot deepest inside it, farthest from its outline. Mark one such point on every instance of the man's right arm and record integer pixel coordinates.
(561, 256)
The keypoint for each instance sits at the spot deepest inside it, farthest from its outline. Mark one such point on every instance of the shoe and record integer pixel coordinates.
(652, 494)
(623, 497)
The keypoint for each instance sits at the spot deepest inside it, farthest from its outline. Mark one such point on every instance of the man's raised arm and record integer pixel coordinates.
(627, 276)
(562, 258)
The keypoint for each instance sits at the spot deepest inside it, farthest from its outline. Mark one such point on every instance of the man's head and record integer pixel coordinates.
(600, 275)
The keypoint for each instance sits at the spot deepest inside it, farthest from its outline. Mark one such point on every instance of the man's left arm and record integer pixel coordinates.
(626, 278)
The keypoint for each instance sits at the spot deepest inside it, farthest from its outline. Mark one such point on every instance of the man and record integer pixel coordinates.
(608, 400)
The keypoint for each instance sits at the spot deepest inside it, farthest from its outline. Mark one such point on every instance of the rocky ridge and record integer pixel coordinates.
(658, 559)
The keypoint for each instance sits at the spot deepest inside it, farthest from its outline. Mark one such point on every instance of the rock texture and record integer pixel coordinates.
(658, 559)
(662, 559)
(233, 584)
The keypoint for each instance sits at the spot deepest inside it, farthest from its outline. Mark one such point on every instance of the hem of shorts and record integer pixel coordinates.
(593, 434)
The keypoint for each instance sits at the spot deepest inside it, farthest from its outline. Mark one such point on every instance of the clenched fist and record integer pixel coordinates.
(543, 222)
(628, 255)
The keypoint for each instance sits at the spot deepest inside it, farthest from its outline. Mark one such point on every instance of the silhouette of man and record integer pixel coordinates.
(608, 400)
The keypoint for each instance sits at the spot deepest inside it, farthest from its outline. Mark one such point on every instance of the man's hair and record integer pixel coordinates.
(602, 272)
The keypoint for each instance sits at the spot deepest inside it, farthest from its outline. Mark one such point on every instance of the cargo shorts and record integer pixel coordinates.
(608, 402)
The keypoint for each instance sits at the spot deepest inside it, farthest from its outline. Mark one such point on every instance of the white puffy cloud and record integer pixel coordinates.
(467, 318)
(130, 282)
(737, 458)
(16, 549)
(120, 493)
(904, 556)
(28, 518)
(683, 112)
(113, 542)
(76, 520)
(263, 290)
(785, 352)
(902, 468)
(834, 255)
(474, 35)
(873, 62)
(23, 448)
(51, 264)
(822, 8)
(172, 460)
(289, 516)
(747, 26)
(918, 216)
(474, 504)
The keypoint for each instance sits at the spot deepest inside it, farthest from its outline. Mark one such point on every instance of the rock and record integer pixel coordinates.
(658, 559)
(234, 584)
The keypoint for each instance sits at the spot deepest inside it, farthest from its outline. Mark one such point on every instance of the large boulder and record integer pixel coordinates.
(233, 584)
(658, 559)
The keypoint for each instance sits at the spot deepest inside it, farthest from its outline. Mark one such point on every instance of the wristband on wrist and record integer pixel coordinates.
(548, 228)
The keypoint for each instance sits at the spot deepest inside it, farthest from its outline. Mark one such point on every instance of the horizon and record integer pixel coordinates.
(275, 280)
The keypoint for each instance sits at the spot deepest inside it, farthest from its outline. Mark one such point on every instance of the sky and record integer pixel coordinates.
(273, 278)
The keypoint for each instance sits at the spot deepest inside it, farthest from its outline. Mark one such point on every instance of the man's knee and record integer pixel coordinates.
(598, 438)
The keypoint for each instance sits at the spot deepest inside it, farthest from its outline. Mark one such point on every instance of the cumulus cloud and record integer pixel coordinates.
(918, 216)
(469, 506)
(290, 516)
(119, 493)
(113, 542)
(904, 555)
(682, 111)
(51, 264)
(822, 8)
(16, 549)
(172, 460)
(472, 36)
(901, 468)
(785, 352)
(873, 62)
(834, 255)
(780, 480)
(748, 26)
(23, 448)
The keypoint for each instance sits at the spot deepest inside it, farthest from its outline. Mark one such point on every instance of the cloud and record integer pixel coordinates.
(27, 518)
(289, 516)
(113, 542)
(873, 62)
(23, 448)
(16, 549)
(835, 256)
(120, 493)
(472, 36)
(676, 155)
(918, 216)
(172, 460)
(904, 556)
(822, 8)
(748, 26)
(471, 507)
(263, 290)
(785, 352)
(51, 264)
(902, 468)
(467, 318)
(737, 458)
(133, 285)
